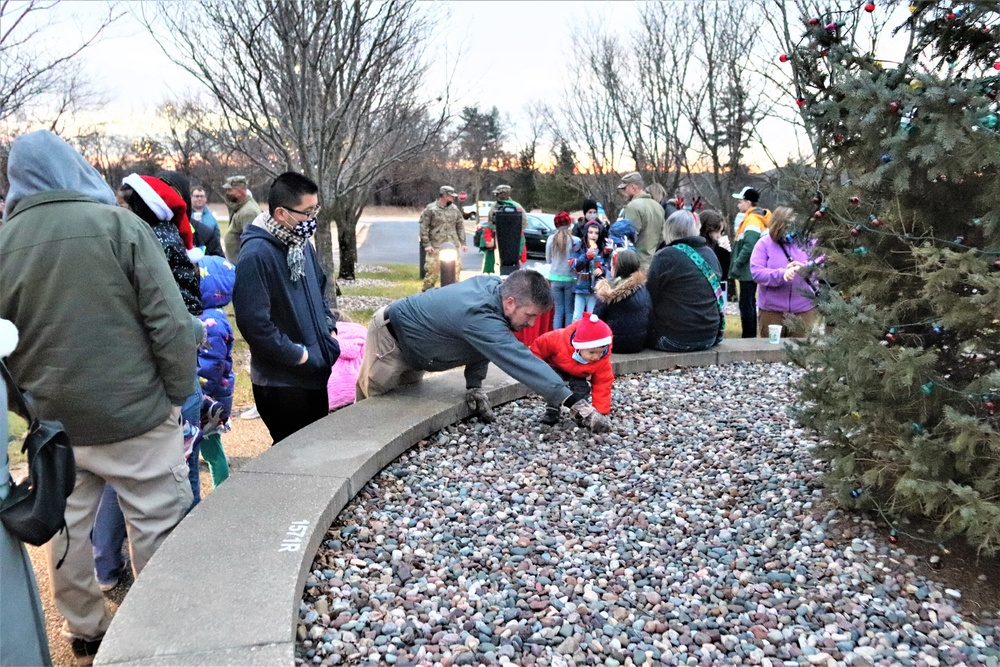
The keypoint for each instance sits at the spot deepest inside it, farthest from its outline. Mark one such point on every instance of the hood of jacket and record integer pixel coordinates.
(41, 161)
(619, 290)
(217, 279)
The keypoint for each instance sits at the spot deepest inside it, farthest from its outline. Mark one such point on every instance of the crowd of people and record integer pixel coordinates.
(119, 296)
(662, 274)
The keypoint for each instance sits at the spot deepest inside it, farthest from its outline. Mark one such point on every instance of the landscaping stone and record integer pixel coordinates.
(695, 532)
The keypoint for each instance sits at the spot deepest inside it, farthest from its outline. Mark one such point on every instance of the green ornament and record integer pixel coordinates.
(952, 100)
(861, 250)
(917, 428)
(989, 121)
(927, 388)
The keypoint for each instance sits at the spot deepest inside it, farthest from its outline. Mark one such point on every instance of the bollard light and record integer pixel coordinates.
(448, 258)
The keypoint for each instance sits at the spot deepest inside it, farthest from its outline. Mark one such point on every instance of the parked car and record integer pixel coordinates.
(469, 211)
(540, 227)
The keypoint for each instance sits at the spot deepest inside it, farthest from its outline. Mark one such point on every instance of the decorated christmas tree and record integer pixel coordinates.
(904, 388)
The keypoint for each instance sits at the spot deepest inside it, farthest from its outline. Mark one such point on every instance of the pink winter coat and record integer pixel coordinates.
(340, 386)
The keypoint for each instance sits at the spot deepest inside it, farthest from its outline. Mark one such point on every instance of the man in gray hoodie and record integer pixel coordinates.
(107, 348)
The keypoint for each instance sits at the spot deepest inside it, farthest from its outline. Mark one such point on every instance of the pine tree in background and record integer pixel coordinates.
(905, 387)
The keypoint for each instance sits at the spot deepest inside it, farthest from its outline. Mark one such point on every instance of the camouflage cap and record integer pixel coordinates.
(630, 179)
(501, 188)
(447, 190)
(235, 181)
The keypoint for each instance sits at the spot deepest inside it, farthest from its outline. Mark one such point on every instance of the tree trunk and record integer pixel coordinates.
(347, 237)
(324, 249)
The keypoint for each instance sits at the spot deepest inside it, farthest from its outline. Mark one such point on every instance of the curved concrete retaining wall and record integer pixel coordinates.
(224, 588)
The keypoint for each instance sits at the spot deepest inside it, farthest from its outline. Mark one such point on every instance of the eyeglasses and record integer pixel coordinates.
(309, 212)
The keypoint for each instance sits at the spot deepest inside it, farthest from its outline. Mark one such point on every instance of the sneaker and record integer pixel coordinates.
(551, 416)
(84, 650)
(191, 436)
(108, 585)
(251, 414)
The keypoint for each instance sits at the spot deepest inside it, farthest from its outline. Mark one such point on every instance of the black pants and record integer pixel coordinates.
(287, 409)
(748, 308)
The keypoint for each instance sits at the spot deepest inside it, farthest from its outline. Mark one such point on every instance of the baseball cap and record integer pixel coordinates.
(747, 193)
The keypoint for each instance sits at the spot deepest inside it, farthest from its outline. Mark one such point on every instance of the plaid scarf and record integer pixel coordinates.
(295, 243)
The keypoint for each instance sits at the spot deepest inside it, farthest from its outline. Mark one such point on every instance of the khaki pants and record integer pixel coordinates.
(804, 326)
(382, 367)
(432, 266)
(151, 478)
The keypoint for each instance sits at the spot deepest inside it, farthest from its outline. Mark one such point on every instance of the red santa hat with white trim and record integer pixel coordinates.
(591, 332)
(166, 204)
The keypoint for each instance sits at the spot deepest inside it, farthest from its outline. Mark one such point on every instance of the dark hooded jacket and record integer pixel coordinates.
(626, 307)
(106, 344)
(278, 315)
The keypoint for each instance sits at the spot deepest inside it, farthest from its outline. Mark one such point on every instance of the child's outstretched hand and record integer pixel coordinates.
(590, 253)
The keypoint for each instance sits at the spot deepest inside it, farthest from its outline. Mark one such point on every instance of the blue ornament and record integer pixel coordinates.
(886, 158)
(856, 493)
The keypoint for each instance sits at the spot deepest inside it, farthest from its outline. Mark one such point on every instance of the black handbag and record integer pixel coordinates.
(35, 509)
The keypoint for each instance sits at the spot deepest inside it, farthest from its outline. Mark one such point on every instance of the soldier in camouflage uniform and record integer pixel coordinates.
(489, 245)
(440, 223)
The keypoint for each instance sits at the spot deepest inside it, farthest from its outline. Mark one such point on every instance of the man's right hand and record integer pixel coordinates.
(305, 356)
(587, 415)
(430, 250)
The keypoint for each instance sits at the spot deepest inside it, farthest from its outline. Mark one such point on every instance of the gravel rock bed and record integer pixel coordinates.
(370, 268)
(693, 534)
(368, 282)
(346, 302)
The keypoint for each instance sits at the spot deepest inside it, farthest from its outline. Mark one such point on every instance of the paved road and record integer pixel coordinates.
(399, 243)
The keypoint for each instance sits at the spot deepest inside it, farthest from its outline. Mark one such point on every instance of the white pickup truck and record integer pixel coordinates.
(478, 211)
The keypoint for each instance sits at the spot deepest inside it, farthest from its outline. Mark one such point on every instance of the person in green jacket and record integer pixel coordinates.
(243, 210)
(645, 214)
(748, 231)
(108, 348)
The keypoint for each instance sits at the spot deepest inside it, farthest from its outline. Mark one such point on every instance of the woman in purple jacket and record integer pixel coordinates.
(776, 264)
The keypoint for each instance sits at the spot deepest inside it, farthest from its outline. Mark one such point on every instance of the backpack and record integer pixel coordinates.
(35, 509)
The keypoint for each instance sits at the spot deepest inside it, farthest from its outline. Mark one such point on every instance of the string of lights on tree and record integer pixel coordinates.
(819, 58)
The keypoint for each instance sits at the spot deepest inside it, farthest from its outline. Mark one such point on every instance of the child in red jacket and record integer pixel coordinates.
(581, 354)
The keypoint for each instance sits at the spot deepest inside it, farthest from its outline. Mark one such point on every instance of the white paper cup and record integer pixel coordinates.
(774, 334)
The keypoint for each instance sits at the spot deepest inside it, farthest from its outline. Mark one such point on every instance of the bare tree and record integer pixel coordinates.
(729, 102)
(333, 89)
(782, 24)
(34, 72)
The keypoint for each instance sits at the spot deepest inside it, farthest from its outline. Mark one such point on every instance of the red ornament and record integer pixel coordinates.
(824, 54)
(893, 107)
(783, 57)
(818, 215)
(838, 139)
(800, 102)
(893, 538)
(990, 406)
(831, 26)
(855, 232)
(870, 7)
(855, 200)
(817, 198)
(952, 16)
(996, 265)
(890, 338)
(875, 222)
(996, 66)
(814, 21)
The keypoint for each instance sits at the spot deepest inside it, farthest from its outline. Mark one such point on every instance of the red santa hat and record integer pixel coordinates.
(165, 203)
(591, 333)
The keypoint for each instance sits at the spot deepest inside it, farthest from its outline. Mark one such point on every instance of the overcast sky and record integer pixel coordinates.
(513, 53)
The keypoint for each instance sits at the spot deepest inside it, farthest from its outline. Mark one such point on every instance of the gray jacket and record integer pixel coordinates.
(464, 325)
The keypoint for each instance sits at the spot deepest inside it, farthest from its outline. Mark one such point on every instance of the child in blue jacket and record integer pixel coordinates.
(588, 265)
(215, 362)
